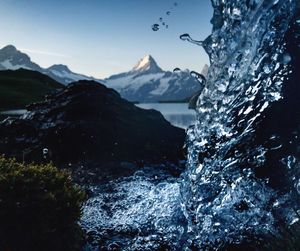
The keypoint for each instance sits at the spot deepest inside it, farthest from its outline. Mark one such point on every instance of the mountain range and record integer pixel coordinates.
(13, 59)
(145, 82)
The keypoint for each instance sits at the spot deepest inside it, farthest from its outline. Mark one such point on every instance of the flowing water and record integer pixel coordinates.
(225, 196)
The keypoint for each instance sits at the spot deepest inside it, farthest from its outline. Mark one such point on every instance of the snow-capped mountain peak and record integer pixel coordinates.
(63, 74)
(9, 49)
(12, 59)
(147, 82)
(148, 64)
(59, 67)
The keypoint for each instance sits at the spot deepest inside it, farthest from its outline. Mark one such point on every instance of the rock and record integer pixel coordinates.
(88, 123)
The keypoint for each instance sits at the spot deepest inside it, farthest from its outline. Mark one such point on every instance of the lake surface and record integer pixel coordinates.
(177, 114)
(14, 112)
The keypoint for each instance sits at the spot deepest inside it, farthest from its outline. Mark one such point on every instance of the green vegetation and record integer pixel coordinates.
(22, 87)
(39, 208)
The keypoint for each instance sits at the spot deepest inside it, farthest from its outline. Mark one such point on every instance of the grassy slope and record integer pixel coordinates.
(22, 87)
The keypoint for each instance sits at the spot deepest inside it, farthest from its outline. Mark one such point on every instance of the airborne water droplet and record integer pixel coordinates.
(155, 27)
(176, 70)
(187, 37)
(286, 58)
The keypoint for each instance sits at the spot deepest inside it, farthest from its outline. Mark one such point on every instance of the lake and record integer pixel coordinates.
(14, 112)
(177, 114)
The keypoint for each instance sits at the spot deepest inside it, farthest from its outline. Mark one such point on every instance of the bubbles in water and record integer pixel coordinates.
(160, 19)
(168, 13)
(267, 69)
(155, 27)
(236, 13)
(142, 203)
(163, 23)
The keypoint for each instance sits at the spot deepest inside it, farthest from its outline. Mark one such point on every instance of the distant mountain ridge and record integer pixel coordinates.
(147, 82)
(13, 59)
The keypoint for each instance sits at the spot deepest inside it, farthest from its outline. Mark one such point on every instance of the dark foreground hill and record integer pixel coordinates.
(22, 87)
(88, 123)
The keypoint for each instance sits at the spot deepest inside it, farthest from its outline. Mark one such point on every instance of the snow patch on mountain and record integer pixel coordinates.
(7, 64)
(146, 64)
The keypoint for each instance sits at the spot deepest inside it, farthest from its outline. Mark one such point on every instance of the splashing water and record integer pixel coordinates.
(141, 211)
(242, 178)
(224, 201)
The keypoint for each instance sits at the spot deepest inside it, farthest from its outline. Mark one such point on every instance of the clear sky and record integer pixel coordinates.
(104, 37)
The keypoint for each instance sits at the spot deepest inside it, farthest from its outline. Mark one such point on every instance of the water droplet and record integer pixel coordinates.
(45, 150)
(155, 27)
(160, 19)
(298, 186)
(175, 4)
(199, 77)
(187, 37)
(176, 70)
(163, 23)
(286, 58)
(267, 69)
(168, 13)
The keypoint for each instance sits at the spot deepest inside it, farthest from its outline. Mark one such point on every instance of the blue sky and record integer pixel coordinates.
(103, 37)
